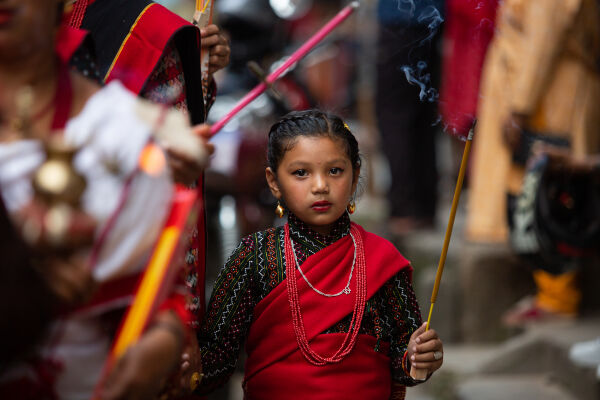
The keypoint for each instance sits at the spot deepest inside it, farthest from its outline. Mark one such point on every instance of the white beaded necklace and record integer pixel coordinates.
(345, 290)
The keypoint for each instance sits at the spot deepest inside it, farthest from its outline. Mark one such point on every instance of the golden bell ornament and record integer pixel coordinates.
(351, 207)
(56, 180)
(279, 210)
(58, 185)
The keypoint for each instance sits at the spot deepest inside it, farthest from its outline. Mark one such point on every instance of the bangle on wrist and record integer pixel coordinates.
(405, 366)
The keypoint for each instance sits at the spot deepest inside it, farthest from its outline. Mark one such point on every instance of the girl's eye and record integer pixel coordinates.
(336, 171)
(299, 172)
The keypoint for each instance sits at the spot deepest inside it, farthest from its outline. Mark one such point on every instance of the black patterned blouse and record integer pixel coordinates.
(257, 266)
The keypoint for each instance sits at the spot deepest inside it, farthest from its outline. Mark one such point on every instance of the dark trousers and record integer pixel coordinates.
(406, 123)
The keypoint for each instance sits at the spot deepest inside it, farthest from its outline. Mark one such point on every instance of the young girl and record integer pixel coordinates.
(325, 309)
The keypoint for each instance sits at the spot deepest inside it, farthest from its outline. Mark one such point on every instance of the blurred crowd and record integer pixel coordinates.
(403, 73)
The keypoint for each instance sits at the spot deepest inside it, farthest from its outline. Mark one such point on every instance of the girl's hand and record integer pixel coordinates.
(217, 44)
(425, 350)
(144, 368)
(186, 170)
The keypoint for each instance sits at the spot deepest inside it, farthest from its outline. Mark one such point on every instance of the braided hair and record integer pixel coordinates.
(309, 123)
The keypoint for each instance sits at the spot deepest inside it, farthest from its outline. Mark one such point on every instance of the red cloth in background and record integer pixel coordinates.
(469, 28)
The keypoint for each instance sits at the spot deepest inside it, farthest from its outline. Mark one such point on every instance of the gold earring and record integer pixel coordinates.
(279, 210)
(351, 207)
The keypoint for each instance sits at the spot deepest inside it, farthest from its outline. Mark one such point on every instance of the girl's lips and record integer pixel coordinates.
(321, 206)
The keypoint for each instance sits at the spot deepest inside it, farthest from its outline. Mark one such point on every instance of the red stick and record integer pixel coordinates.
(297, 55)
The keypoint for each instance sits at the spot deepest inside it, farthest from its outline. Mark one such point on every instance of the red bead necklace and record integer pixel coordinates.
(359, 304)
(78, 13)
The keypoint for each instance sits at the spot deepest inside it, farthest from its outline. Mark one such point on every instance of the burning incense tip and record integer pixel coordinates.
(355, 4)
(472, 130)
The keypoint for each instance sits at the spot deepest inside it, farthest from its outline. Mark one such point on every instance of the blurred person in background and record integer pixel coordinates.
(103, 227)
(540, 84)
(156, 54)
(406, 110)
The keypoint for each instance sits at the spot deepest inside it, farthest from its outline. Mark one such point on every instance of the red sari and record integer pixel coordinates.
(276, 369)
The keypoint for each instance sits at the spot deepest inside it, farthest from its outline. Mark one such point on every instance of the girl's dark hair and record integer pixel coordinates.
(311, 123)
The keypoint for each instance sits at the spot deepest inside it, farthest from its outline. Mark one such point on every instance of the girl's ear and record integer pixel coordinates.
(272, 182)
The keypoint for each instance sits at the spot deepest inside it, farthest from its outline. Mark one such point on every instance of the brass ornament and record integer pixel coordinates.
(351, 207)
(279, 210)
(59, 186)
(56, 180)
(195, 380)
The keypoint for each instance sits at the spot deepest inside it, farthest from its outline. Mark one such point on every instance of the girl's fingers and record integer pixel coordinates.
(425, 336)
(420, 330)
(431, 345)
(426, 357)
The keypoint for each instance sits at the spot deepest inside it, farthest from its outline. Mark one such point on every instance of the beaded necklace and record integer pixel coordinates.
(359, 304)
(345, 290)
(79, 8)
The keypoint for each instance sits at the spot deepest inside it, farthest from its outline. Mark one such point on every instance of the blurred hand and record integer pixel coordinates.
(145, 366)
(421, 349)
(190, 363)
(217, 44)
(512, 130)
(185, 169)
(69, 277)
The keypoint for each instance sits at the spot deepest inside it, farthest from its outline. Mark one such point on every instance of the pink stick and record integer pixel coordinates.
(297, 55)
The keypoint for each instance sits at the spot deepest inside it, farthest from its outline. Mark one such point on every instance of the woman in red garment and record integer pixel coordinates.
(325, 309)
(64, 104)
(156, 54)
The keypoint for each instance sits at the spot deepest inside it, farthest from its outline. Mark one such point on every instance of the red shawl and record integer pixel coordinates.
(276, 369)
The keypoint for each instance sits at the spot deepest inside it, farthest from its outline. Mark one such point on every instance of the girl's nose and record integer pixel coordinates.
(320, 184)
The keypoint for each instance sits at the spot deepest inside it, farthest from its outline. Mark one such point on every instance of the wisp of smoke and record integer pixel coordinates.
(432, 17)
(421, 79)
(407, 6)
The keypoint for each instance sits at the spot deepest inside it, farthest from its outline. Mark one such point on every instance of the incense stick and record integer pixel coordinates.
(297, 55)
(420, 374)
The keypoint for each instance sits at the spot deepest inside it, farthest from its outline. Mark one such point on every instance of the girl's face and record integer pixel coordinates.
(26, 26)
(316, 181)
